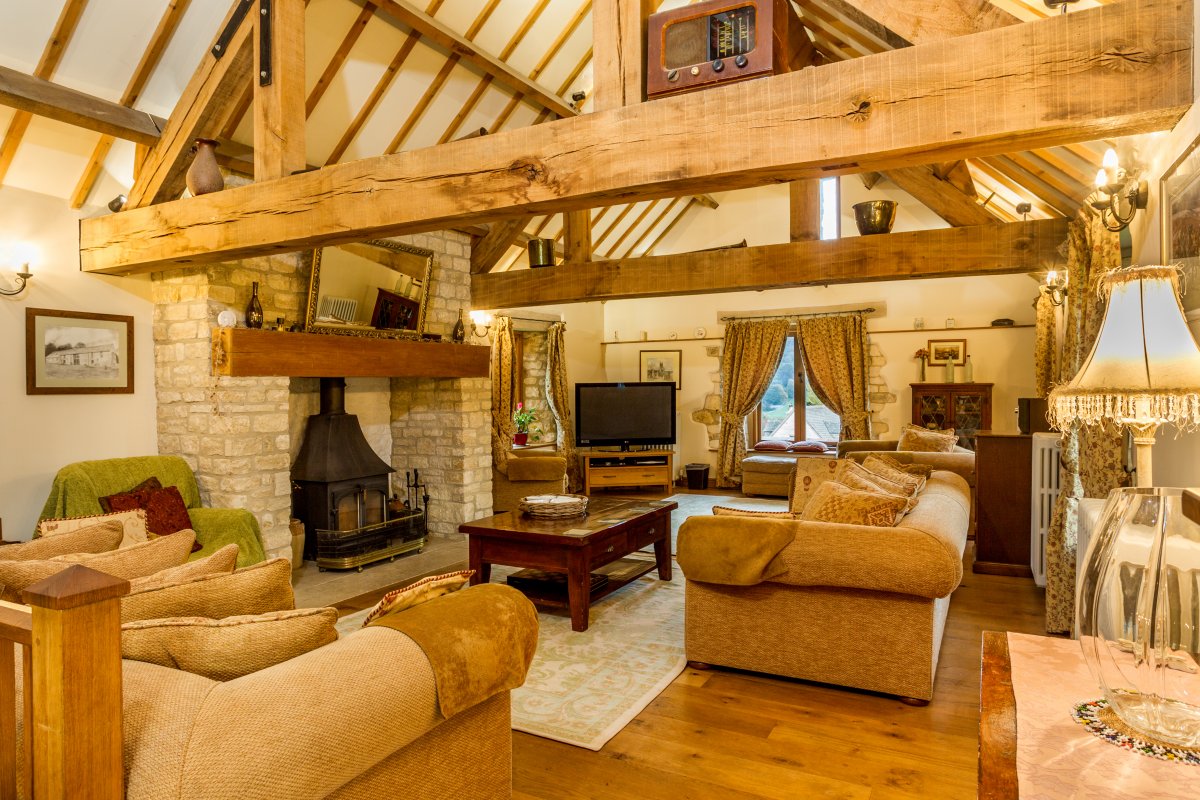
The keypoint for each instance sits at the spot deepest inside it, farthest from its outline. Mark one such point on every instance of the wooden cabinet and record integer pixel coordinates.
(1003, 476)
(644, 468)
(966, 407)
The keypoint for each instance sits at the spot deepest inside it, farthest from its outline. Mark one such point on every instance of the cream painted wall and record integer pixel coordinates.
(41, 433)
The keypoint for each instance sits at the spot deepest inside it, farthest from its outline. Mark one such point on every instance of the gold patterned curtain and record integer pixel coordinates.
(1045, 353)
(503, 368)
(752, 352)
(558, 395)
(1091, 457)
(835, 361)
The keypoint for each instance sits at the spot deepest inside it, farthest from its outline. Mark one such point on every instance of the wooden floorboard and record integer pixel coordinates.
(728, 734)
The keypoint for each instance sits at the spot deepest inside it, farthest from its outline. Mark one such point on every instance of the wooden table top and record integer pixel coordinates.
(603, 514)
(997, 722)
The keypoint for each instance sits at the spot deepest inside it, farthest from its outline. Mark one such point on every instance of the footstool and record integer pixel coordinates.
(767, 474)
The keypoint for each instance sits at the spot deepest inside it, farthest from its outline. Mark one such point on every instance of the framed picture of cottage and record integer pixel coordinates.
(947, 351)
(75, 352)
(661, 365)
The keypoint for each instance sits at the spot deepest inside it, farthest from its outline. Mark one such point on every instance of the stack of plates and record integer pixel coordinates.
(554, 506)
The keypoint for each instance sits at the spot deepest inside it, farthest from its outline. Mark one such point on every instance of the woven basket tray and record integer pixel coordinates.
(554, 506)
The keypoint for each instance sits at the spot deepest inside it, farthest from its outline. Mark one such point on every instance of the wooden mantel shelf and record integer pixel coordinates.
(243, 352)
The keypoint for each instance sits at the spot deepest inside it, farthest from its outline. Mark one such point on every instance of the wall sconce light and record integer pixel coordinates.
(22, 255)
(1117, 196)
(481, 320)
(1055, 286)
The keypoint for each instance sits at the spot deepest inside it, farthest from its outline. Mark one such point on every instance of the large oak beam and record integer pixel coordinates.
(923, 20)
(945, 252)
(1011, 89)
(279, 104)
(486, 252)
(619, 52)
(941, 197)
(52, 101)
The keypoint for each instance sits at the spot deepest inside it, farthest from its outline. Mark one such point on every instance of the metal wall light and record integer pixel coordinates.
(1055, 286)
(1117, 195)
(481, 321)
(17, 260)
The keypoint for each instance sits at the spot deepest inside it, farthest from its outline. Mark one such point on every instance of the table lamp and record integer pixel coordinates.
(1138, 592)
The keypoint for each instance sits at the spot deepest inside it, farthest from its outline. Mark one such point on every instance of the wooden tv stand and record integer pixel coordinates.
(638, 468)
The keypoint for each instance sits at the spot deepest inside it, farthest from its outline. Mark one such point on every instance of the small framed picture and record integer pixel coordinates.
(661, 365)
(74, 352)
(947, 351)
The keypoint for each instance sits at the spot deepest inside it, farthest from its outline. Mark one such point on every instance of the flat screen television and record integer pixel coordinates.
(624, 414)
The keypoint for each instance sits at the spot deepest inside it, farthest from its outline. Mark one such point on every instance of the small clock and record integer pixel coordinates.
(699, 333)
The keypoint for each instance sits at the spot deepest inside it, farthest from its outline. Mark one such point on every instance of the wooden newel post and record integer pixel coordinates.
(77, 685)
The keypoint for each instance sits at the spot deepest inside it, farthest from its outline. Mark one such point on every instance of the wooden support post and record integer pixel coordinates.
(577, 235)
(619, 52)
(805, 210)
(76, 728)
(279, 106)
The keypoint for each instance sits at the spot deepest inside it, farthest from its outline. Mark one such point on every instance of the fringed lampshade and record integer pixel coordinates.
(1144, 369)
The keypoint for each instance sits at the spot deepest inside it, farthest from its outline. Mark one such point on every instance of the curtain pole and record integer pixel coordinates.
(732, 318)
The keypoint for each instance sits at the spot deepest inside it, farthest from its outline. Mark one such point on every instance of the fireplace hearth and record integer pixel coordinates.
(341, 492)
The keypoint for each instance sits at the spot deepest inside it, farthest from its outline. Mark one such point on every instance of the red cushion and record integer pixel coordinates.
(808, 447)
(165, 510)
(772, 444)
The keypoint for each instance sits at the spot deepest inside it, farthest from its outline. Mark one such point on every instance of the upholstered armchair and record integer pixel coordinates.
(527, 475)
(78, 487)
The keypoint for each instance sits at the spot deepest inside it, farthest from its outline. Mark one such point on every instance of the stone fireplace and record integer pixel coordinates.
(241, 435)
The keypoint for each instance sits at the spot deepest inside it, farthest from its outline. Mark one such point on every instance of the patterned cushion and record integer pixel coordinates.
(810, 473)
(96, 538)
(854, 475)
(166, 512)
(922, 440)
(257, 589)
(726, 511)
(808, 447)
(920, 470)
(221, 562)
(228, 648)
(779, 445)
(877, 466)
(833, 502)
(420, 592)
(133, 524)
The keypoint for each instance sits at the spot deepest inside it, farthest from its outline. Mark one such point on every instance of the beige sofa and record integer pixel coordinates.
(852, 605)
(961, 460)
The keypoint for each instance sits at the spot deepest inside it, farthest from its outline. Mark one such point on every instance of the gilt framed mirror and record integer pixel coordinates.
(376, 288)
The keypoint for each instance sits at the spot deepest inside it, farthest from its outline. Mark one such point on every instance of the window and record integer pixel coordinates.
(779, 416)
(831, 213)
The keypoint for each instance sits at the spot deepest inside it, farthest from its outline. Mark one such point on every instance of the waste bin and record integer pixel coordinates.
(697, 476)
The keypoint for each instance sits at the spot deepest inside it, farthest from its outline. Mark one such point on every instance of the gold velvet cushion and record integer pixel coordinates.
(132, 562)
(878, 466)
(422, 591)
(96, 538)
(920, 470)
(916, 439)
(537, 468)
(833, 502)
(257, 589)
(133, 524)
(224, 649)
(726, 511)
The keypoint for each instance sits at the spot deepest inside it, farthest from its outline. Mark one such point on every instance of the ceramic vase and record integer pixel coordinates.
(204, 175)
(921, 379)
(520, 438)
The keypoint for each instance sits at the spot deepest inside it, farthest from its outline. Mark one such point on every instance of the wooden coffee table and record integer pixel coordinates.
(612, 528)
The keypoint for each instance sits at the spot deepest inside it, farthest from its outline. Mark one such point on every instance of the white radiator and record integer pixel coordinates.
(338, 309)
(1046, 452)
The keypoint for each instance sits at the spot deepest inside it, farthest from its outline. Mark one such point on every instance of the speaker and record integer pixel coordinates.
(1031, 415)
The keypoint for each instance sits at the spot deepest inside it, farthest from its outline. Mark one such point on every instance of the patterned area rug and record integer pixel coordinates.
(583, 688)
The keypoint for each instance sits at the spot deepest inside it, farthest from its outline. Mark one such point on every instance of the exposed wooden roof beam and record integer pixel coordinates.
(926, 20)
(435, 31)
(202, 111)
(577, 235)
(339, 57)
(619, 53)
(64, 29)
(662, 215)
(980, 250)
(279, 105)
(159, 40)
(941, 197)
(833, 119)
(804, 210)
(866, 26)
(688, 206)
(488, 250)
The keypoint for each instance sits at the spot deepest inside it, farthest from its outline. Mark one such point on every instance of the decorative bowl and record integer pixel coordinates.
(875, 216)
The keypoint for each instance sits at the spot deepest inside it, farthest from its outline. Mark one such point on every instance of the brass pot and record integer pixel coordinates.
(875, 216)
(541, 252)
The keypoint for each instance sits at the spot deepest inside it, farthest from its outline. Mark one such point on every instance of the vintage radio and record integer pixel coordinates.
(721, 41)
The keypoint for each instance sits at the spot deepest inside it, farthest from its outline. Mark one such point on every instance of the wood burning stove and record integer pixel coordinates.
(340, 490)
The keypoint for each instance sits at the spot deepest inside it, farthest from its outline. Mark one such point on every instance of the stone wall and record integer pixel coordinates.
(878, 393)
(533, 383)
(232, 431)
(241, 434)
